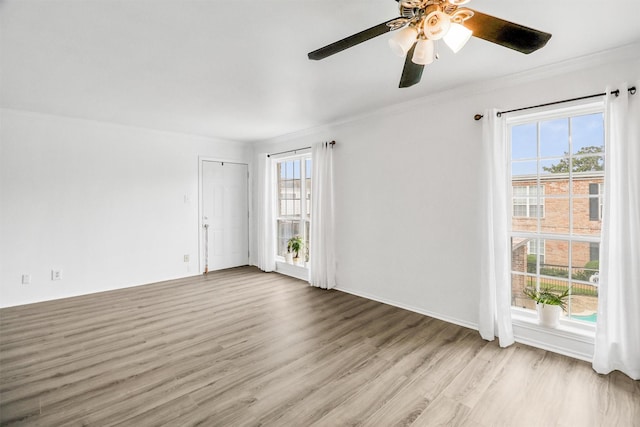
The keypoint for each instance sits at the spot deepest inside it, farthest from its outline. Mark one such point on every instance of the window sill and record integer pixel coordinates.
(570, 338)
(298, 271)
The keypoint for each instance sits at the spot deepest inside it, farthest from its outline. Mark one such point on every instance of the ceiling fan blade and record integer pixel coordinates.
(412, 72)
(351, 41)
(505, 33)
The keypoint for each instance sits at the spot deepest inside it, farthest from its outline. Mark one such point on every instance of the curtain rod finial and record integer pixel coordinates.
(477, 117)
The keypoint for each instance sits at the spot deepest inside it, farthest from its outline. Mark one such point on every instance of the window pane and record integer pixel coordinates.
(524, 169)
(582, 184)
(554, 138)
(556, 185)
(585, 280)
(523, 267)
(555, 167)
(583, 264)
(556, 216)
(288, 186)
(583, 224)
(519, 210)
(556, 259)
(296, 169)
(518, 283)
(522, 189)
(587, 131)
(554, 174)
(286, 230)
(586, 165)
(536, 251)
(594, 251)
(525, 254)
(524, 142)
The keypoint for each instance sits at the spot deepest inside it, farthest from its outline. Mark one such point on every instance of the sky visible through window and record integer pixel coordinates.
(586, 131)
(291, 170)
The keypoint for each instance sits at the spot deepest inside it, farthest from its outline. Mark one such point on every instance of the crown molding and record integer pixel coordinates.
(117, 125)
(624, 53)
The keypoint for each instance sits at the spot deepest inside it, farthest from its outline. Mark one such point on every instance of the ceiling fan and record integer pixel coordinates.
(421, 22)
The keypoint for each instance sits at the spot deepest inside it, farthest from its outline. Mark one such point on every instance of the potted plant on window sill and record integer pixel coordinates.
(288, 257)
(294, 246)
(549, 305)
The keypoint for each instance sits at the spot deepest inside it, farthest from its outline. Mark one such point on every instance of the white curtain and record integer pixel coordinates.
(322, 269)
(495, 283)
(617, 345)
(265, 214)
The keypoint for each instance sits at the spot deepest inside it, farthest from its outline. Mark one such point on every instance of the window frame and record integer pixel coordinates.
(531, 200)
(525, 318)
(305, 212)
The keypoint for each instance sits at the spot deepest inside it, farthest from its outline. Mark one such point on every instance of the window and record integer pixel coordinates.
(594, 251)
(294, 202)
(557, 176)
(535, 248)
(595, 201)
(526, 202)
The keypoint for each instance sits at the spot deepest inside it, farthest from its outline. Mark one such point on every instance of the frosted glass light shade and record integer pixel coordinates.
(457, 37)
(436, 25)
(423, 53)
(403, 40)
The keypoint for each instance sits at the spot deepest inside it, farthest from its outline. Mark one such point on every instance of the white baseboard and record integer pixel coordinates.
(566, 342)
(438, 316)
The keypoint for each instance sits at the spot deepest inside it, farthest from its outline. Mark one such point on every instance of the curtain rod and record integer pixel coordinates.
(632, 91)
(332, 143)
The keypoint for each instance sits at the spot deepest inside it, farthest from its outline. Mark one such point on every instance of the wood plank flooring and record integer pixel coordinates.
(243, 348)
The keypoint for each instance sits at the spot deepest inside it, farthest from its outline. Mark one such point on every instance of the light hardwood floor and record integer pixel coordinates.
(241, 347)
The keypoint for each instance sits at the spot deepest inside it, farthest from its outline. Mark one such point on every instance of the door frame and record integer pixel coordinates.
(201, 160)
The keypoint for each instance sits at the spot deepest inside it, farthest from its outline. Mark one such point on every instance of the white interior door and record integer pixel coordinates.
(225, 215)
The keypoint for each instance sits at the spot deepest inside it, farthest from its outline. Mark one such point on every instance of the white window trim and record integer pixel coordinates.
(571, 338)
(297, 271)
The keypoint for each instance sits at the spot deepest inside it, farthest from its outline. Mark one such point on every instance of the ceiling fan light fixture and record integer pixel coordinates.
(423, 53)
(457, 36)
(403, 40)
(436, 25)
(422, 22)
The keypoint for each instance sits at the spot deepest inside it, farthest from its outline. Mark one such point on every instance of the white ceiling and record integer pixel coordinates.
(238, 69)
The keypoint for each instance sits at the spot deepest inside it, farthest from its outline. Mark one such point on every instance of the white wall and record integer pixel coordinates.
(407, 190)
(103, 203)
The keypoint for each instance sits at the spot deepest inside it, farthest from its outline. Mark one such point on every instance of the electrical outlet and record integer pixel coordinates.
(56, 274)
(26, 279)
(186, 258)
